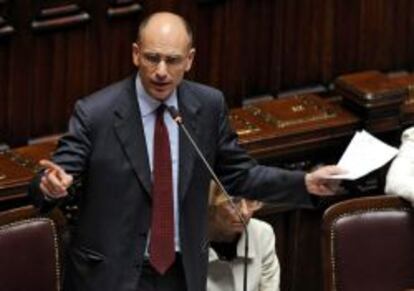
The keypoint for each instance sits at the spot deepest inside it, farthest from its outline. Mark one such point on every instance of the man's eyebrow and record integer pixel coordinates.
(163, 55)
(173, 56)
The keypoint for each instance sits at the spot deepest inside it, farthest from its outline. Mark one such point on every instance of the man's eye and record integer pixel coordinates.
(173, 60)
(153, 59)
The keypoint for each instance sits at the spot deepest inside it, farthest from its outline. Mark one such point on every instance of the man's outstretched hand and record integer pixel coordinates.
(318, 182)
(55, 181)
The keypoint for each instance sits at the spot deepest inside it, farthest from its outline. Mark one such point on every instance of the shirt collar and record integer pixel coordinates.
(148, 104)
(213, 256)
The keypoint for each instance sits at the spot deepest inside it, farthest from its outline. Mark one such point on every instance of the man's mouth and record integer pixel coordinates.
(160, 84)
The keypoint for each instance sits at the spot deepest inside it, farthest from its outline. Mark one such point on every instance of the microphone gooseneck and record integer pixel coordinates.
(178, 119)
(175, 114)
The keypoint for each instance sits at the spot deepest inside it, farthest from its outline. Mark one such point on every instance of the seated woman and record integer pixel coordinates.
(227, 241)
(400, 176)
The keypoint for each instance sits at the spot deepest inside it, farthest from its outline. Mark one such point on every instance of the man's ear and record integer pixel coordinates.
(190, 59)
(135, 54)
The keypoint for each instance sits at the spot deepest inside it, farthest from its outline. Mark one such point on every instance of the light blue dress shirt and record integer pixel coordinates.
(148, 107)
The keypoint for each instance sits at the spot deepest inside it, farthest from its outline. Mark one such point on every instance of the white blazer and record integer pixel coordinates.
(263, 264)
(400, 176)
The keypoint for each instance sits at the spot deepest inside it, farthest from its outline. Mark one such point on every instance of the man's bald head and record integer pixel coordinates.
(163, 53)
(165, 21)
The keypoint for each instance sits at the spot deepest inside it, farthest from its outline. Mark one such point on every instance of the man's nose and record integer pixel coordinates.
(161, 71)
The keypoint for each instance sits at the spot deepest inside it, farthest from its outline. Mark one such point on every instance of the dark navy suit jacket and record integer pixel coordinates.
(105, 145)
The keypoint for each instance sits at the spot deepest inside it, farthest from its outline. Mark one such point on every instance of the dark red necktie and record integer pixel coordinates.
(161, 249)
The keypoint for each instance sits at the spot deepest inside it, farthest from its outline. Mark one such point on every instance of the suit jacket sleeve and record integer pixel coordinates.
(72, 155)
(270, 277)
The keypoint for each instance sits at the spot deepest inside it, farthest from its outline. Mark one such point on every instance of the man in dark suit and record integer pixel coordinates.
(113, 146)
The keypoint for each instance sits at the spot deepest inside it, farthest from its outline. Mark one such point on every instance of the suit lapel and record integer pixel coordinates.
(189, 107)
(130, 132)
(129, 129)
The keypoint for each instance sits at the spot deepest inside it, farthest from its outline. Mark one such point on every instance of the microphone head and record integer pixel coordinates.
(174, 114)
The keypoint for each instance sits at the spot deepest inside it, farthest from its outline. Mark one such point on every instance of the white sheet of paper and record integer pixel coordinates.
(364, 154)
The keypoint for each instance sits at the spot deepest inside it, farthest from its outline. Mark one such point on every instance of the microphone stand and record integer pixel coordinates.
(177, 118)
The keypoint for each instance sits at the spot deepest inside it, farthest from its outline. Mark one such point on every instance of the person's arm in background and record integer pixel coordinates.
(270, 278)
(400, 175)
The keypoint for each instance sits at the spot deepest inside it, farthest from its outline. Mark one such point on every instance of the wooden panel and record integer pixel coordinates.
(303, 42)
(121, 8)
(410, 36)
(5, 27)
(372, 34)
(18, 107)
(234, 75)
(245, 48)
(71, 63)
(50, 83)
(6, 30)
(121, 32)
(4, 88)
(328, 45)
(263, 17)
(56, 15)
(57, 52)
(383, 33)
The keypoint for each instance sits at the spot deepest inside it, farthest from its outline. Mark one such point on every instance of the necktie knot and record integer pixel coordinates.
(160, 109)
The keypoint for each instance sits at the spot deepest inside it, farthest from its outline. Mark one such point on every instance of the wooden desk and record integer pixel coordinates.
(292, 126)
(17, 168)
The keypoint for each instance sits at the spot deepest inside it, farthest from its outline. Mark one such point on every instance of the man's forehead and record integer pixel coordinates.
(165, 26)
(163, 50)
(165, 39)
(164, 45)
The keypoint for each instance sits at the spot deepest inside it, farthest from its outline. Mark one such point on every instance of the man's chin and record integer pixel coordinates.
(160, 95)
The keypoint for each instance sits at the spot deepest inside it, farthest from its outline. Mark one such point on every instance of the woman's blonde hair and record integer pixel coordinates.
(216, 197)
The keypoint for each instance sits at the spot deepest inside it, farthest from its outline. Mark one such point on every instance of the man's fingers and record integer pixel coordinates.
(334, 184)
(318, 182)
(327, 172)
(334, 170)
(45, 190)
(325, 189)
(50, 165)
(66, 180)
(322, 189)
(48, 189)
(55, 180)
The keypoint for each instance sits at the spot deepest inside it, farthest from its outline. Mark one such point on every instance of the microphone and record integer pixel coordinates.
(178, 119)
